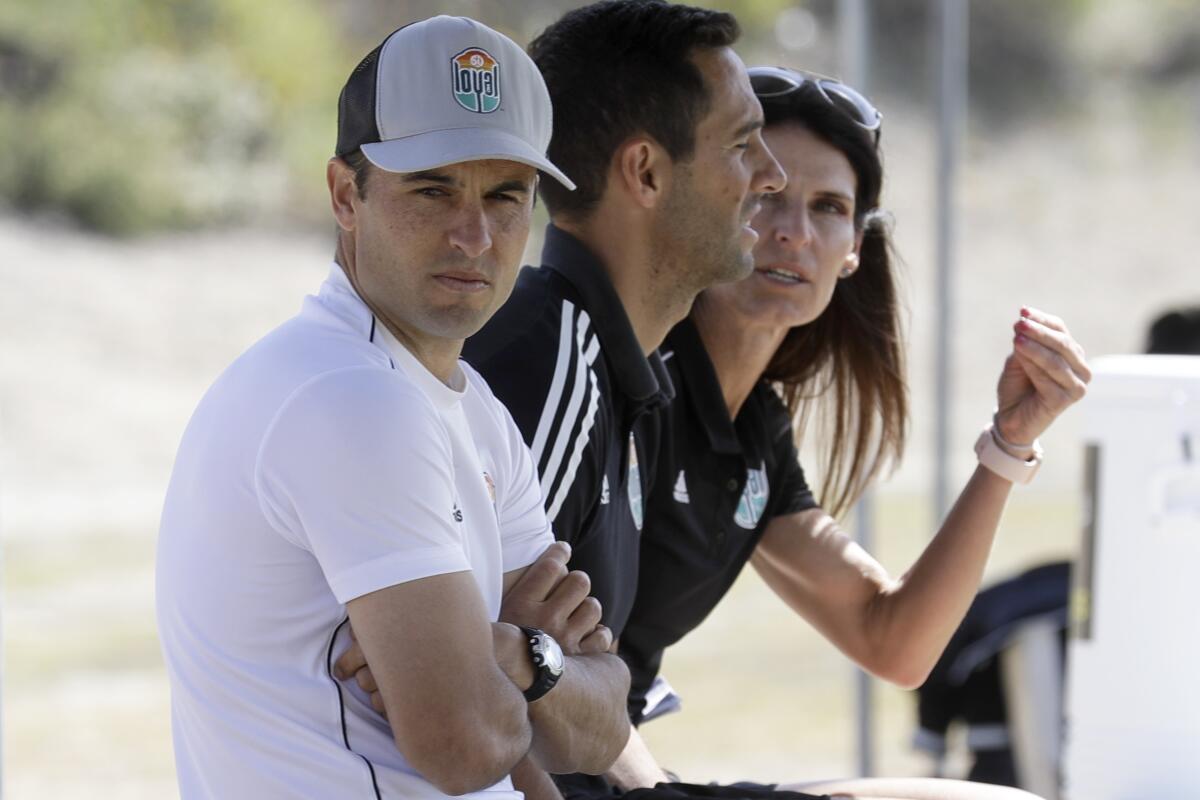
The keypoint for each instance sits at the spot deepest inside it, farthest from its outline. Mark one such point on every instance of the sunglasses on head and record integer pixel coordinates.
(775, 82)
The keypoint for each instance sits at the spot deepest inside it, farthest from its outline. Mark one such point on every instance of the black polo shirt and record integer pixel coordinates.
(718, 484)
(562, 356)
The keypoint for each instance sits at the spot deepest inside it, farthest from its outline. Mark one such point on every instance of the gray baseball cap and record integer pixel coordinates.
(443, 91)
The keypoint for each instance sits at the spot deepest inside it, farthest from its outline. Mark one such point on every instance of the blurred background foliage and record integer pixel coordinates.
(132, 116)
(135, 115)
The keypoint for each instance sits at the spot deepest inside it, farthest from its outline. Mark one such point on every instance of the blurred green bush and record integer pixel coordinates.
(127, 116)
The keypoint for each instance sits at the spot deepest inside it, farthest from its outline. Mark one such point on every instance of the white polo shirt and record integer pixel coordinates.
(324, 464)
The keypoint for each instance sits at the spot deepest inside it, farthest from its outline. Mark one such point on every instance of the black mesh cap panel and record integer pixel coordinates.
(356, 106)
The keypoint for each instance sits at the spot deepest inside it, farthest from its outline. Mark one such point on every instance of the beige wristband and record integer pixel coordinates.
(1000, 461)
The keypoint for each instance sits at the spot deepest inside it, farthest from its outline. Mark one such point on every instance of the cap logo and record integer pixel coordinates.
(476, 80)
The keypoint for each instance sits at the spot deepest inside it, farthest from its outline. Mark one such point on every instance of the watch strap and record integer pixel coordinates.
(1002, 463)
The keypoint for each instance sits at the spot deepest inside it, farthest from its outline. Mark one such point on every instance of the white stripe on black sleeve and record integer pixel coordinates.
(561, 372)
(593, 350)
(574, 409)
(581, 442)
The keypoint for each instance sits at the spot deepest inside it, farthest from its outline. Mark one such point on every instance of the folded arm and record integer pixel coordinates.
(575, 728)
(581, 725)
(457, 715)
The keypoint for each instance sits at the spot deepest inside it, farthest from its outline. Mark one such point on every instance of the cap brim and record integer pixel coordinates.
(439, 148)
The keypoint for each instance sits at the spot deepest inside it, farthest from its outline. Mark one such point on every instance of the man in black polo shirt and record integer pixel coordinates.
(655, 120)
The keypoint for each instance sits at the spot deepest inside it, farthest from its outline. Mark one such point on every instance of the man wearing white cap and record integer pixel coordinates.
(348, 468)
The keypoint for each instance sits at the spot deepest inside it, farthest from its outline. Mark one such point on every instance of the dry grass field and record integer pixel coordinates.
(106, 346)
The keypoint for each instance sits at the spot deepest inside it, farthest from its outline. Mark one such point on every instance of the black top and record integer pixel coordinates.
(718, 483)
(562, 356)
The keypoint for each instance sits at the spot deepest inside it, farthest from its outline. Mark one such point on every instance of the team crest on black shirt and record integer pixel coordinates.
(635, 485)
(754, 499)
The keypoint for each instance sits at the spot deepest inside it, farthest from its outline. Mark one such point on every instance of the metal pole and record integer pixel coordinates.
(2, 775)
(952, 105)
(864, 699)
(853, 37)
(853, 53)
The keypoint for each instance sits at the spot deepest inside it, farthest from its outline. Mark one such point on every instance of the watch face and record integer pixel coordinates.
(553, 655)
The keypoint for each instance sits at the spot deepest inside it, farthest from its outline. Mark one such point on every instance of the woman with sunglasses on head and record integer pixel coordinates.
(814, 333)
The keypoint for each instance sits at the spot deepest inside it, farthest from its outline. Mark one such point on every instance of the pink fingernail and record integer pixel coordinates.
(1021, 338)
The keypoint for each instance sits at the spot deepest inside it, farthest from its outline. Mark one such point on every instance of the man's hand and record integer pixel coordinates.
(546, 596)
(353, 664)
(549, 597)
(582, 725)
(1045, 374)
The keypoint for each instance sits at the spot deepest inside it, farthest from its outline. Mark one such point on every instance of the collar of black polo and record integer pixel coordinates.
(642, 379)
(701, 386)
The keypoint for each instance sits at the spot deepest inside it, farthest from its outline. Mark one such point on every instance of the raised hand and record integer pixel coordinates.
(1045, 373)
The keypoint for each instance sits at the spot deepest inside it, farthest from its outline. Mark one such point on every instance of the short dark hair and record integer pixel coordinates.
(358, 162)
(618, 68)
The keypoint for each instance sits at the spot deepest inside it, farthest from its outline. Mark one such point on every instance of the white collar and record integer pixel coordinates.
(340, 297)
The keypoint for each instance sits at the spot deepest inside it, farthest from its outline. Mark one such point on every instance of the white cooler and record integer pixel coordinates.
(1133, 661)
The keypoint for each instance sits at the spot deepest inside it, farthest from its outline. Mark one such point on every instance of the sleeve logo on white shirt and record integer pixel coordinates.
(457, 514)
(491, 486)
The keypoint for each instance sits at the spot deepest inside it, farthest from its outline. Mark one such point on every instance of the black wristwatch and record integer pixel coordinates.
(547, 661)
